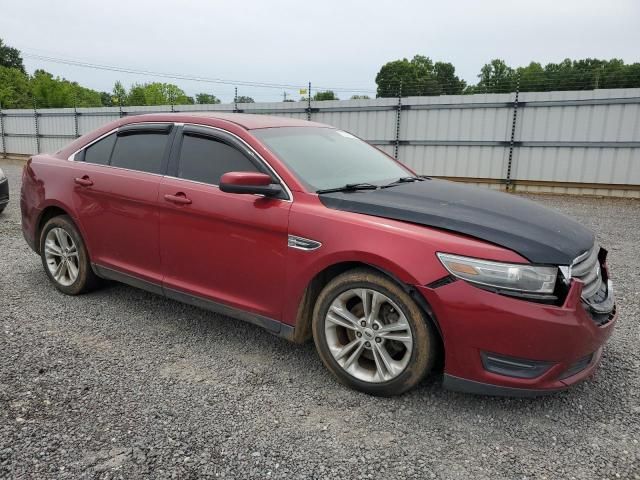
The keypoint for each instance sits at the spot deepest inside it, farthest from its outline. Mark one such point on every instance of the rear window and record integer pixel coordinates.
(140, 151)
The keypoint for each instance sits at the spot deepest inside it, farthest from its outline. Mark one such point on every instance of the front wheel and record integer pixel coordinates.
(371, 334)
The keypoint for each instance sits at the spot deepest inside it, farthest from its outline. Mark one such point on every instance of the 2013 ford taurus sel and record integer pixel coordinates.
(308, 231)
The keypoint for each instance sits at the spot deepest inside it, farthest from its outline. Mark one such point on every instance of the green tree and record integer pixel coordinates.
(496, 77)
(10, 57)
(417, 77)
(15, 91)
(207, 99)
(445, 74)
(532, 78)
(55, 92)
(119, 94)
(326, 95)
(244, 99)
(106, 99)
(155, 93)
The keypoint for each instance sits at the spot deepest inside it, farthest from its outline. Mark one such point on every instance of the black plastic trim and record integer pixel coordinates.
(513, 367)
(134, 128)
(441, 282)
(110, 274)
(578, 366)
(273, 190)
(457, 384)
(269, 324)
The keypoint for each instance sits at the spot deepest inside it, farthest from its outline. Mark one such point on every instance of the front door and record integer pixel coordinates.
(224, 247)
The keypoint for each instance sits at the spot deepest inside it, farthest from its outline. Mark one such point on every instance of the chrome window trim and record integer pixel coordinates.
(179, 124)
(72, 157)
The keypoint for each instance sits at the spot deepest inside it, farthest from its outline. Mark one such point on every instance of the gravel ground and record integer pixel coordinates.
(124, 384)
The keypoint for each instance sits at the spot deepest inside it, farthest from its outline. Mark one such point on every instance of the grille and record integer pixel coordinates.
(587, 269)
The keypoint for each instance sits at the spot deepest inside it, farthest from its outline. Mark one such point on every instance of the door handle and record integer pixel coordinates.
(178, 198)
(84, 181)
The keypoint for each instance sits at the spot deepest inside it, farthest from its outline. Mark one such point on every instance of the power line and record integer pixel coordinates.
(177, 76)
(576, 80)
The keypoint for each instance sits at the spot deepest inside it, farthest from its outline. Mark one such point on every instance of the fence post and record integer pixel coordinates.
(35, 119)
(235, 100)
(75, 116)
(398, 113)
(120, 107)
(4, 145)
(309, 102)
(514, 122)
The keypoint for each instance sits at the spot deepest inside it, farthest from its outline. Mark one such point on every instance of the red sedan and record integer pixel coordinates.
(309, 232)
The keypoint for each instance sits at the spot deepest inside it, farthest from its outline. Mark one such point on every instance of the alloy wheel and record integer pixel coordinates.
(61, 255)
(368, 335)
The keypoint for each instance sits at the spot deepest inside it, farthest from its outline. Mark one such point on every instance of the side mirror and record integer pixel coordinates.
(249, 182)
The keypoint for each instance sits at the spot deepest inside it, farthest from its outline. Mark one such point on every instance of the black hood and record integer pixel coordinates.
(539, 234)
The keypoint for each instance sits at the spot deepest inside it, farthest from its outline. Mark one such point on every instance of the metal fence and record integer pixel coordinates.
(585, 142)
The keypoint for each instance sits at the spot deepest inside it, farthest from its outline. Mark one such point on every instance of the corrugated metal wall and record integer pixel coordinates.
(567, 142)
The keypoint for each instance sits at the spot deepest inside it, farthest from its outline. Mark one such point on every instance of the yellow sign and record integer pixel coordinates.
(303, 91)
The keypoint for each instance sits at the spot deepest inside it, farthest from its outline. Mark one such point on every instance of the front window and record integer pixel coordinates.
(325, 158)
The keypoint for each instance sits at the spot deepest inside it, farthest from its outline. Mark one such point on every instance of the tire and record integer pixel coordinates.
(2, 207)
(406, 334)
(77, 277)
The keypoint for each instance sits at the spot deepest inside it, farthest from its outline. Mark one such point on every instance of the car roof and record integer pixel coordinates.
(246, 120)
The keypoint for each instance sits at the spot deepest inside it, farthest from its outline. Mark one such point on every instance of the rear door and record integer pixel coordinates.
(228, 248)
(116, 195)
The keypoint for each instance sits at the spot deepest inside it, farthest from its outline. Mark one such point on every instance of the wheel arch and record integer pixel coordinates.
(302, 330)
(50, 211)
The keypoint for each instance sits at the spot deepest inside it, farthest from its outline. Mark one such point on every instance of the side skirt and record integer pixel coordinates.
(272, 326)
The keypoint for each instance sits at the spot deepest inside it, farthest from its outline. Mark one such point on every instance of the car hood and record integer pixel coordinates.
(539, 234)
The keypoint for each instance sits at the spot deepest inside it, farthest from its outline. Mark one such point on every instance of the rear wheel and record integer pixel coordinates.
(65, 258)
(371, 334)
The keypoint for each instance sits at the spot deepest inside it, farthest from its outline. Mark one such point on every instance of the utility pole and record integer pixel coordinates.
(284, 96)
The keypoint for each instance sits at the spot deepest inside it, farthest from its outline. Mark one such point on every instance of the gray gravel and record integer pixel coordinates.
(124, 384)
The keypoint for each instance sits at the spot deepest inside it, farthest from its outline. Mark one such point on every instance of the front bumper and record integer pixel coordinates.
(474, 322)
(4, 192)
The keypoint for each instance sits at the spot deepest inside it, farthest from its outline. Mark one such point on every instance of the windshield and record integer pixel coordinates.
(326, 158)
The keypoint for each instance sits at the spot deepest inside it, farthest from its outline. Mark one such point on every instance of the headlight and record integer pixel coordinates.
(509, 276)
(2, 175)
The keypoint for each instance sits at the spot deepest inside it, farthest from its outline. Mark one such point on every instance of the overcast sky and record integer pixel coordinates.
(338, 44)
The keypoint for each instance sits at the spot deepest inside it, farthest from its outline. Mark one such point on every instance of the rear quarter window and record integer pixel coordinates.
(100, 152)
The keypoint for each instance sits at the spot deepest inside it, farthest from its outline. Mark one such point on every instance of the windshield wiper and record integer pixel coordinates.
(349, 187)
(403, 180)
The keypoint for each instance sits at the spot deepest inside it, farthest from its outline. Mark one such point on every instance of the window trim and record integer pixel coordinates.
(216, 134)
(82, 154)
(144, 127)
(174, 149)
(148, 128)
